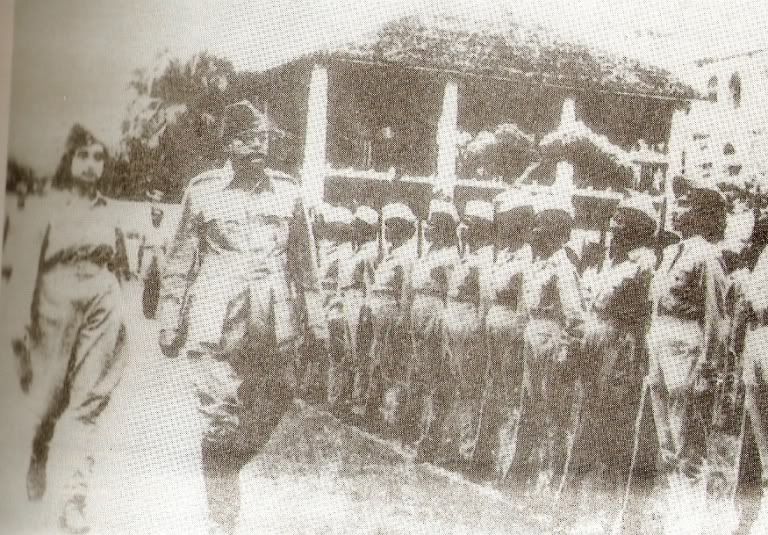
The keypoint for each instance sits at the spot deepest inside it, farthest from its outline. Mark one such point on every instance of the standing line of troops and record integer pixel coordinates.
(492, 349)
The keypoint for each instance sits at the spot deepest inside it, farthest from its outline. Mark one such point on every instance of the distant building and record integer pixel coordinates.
(725, 137)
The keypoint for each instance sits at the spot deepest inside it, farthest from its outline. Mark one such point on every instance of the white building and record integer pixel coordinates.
(725, 137)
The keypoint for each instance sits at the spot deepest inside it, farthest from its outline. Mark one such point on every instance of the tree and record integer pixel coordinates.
(20, 177)
(169, 133)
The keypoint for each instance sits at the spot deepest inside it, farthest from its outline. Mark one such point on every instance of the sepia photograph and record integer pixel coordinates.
(385, 268)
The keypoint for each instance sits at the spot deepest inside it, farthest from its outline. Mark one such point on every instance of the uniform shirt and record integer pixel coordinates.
(230, 240)
(394, 271)
(690, 282)
(507, 275)
(332, 257)
(622, 290)
(756, 285)
(359, 272)
(551, 288)
(80, 230)
(431, 273)
(469, 282)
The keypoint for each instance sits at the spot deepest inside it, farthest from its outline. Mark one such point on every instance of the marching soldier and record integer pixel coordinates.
(74, 353)
(389, 305)
(239, 262)
(466, 353)
(614, 341)
(356, 281)
(506, 318)
(335, 254)
(686, 338)
(553, 301)
(430, 288)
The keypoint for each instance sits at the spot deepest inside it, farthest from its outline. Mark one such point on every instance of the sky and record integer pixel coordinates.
(72, 60)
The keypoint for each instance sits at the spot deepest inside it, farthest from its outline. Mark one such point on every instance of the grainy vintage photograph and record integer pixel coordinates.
(337, 266)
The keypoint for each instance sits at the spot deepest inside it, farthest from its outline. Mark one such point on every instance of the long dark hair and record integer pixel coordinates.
(78, 137)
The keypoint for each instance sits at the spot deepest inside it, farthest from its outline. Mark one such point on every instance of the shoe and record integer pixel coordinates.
(36, 479)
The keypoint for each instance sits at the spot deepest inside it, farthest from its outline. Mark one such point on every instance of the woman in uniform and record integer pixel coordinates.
(71, 354)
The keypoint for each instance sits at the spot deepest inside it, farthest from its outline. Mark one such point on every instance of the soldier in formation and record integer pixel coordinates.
(335, 255)
(506, 320)
(466, 353)
(423, 409)
(389, 305)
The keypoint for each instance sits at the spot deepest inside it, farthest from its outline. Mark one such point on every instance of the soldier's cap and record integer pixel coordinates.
(398, 210)
(367, 215)
(336, 215)
(512, 199)
(242, 121)
(707, 192)
(155, 195)
(549, 202)
(642, 204)
(444, 207)
(479, 210)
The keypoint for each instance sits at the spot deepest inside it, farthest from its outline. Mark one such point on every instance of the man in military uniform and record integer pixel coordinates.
(389, 303)
(336, 254)
(356, 282)
(505, 322)
(241, 258)
(614, 342)
(468, 302)
(553, 301)
(429, 283)
(686, 338)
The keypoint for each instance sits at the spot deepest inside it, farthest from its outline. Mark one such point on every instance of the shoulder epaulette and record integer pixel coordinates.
(280, 175)
(209, 178)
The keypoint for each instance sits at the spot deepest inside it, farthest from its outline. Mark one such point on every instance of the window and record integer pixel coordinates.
(735, 87)
(712, 88)
(728, 149)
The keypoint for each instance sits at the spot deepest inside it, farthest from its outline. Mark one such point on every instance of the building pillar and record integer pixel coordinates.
(447, 139)
(564, 170)
(313, 168)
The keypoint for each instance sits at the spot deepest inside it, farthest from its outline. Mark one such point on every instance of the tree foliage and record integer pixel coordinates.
(169, 131)
(21, 177)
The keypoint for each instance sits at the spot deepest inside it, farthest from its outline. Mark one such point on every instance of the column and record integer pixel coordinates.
(314, 166)
(447, 139)
(564, 169)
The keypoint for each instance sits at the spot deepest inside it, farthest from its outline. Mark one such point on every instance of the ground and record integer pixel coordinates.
(316, 475)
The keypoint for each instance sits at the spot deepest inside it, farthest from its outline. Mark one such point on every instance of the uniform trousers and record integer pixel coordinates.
(75, 361)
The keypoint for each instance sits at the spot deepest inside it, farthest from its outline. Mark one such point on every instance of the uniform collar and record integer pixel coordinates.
(228, 175)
